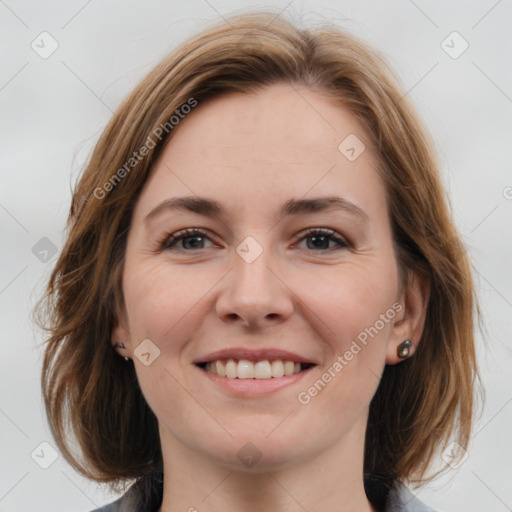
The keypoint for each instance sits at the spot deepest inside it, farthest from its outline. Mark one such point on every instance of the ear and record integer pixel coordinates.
(410, 320)
(120, 334)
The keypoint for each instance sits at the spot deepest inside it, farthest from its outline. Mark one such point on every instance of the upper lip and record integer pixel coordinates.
(253, 355)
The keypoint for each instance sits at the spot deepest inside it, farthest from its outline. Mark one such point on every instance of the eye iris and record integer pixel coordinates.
(318, 241)
(194, 244)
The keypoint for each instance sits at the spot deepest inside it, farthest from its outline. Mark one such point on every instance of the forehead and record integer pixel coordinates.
(251, 149)
(280, 118)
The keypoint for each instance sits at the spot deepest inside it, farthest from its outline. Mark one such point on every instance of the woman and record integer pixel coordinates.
(262, 302)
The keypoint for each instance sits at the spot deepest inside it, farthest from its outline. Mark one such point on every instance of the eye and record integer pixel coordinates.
(194, 239)
(191, 238)
(321, 237)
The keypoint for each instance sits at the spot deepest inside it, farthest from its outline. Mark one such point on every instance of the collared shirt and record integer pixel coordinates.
(399, 499)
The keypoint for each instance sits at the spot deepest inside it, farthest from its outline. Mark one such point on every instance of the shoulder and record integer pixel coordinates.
(145, 495)
(122, 504)
(400, 499)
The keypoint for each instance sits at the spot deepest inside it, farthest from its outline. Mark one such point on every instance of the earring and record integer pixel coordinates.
(121, 346)
(403, 349)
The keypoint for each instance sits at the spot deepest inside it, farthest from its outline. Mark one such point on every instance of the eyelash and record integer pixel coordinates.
(170, 240)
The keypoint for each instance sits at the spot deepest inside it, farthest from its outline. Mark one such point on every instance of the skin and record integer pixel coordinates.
(251, 153)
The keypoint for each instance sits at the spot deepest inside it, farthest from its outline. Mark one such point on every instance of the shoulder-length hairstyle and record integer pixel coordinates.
(97, 414)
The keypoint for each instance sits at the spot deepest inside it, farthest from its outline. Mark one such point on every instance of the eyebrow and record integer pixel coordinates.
(212, 208)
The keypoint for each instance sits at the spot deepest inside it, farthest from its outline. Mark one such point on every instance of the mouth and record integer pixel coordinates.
(260, 370)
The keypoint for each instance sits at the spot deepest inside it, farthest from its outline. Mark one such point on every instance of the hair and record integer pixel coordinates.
(92, 396)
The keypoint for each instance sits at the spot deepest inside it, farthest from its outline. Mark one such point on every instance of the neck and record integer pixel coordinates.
(330, 480)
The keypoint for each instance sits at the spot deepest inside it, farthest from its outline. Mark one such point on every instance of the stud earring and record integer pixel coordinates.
(403, 349)
(121, 346)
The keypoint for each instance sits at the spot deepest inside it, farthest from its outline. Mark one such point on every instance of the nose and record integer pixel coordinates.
(254, 294)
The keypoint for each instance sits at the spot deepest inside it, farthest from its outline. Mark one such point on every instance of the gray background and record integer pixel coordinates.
(53, 110)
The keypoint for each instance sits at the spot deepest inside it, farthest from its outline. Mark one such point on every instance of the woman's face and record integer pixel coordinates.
(260, 282)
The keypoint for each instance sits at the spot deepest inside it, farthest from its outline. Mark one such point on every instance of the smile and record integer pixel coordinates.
(245, 369)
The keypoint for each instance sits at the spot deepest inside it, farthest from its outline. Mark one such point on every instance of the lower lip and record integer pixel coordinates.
(255, 387)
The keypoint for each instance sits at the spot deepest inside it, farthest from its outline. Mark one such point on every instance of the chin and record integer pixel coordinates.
(258, 454)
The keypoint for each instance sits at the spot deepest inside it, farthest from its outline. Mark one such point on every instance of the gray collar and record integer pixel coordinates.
(399, 499)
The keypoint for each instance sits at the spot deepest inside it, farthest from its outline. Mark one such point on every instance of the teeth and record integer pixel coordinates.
(289, 367)
(220, 369)
(277, 368)
(263, 370)
(231, 369)
(244, 369)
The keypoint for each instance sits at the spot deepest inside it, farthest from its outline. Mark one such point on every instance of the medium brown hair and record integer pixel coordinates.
(92, 396)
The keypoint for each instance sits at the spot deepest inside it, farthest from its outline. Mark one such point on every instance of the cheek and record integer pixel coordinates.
(353, 312)
(151, 302)
(349, 298)
(357, 305)
(163, 303)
